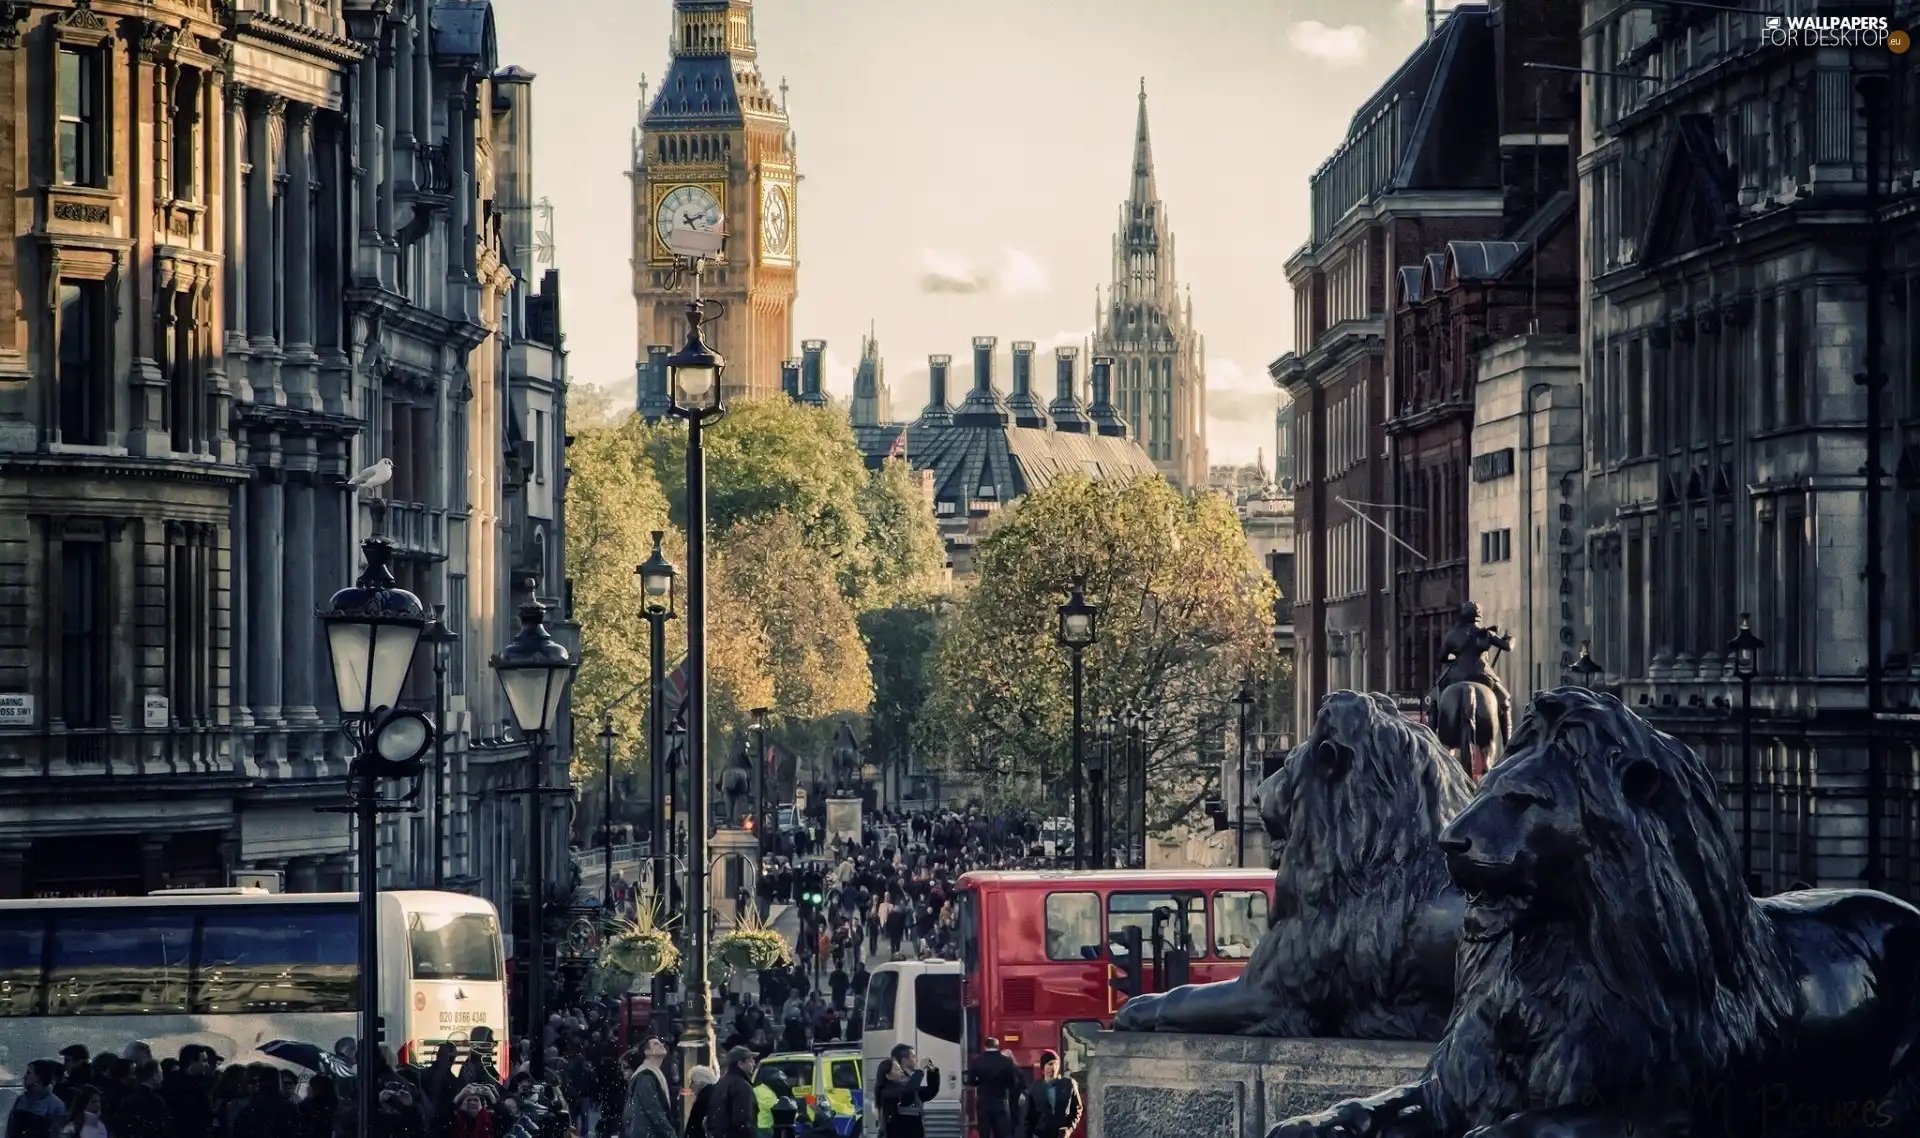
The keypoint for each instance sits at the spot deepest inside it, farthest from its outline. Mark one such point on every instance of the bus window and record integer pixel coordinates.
(1135, 910)
(882, 987)
(120, 964)
(1076, 1039)
(936, 999)
(454, 946)
(1073, 926)
(967, 929)
(1239, 920)
(278, 960)
(23, 938)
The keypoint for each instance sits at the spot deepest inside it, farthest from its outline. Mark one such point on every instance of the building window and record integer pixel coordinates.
(1793, 394)
(539, 446)
(1769, 362)
(83, 633)
(82, 370)
(81, 129)
(457, 621)
(1496, 545)
(186, 136)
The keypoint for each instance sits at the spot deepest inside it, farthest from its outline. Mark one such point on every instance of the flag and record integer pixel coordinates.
(899, 449)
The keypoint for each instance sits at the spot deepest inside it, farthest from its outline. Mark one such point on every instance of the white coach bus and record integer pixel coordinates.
(238, 968)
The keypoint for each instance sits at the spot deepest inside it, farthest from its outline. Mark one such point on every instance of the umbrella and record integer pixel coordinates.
(309, 1056)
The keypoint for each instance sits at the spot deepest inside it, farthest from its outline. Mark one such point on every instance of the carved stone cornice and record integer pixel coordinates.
(13, 13)
(308, 41)
(300, 115)
(153, 39)
(82, 17)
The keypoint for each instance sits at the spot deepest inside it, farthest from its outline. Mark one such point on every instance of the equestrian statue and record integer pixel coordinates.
(1469, 707)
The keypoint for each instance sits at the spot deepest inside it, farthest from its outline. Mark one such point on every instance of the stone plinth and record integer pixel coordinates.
(732, 851)
(1149, 1085)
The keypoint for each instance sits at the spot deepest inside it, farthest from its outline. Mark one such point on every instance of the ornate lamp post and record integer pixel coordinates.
(757, 726)
(1097, 772)
(1586, 666)
(535, 672)
(607, 736)
(694, 373)
(1245, 700)
(372, 631)
(1077, 623)
(442, 638)
(1745, 649)
(656, 605)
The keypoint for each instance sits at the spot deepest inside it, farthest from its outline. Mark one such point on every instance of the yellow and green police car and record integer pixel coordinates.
(826, 1079)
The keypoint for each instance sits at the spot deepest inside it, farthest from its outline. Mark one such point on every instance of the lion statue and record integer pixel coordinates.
(1364, 921)
(1617, 979)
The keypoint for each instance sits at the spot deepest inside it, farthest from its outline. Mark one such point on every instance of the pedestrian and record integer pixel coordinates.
(907, 1083)
(732, 1111)
(38, 1112)
(998, 1085)
(649, 1112)
(319, 1111)
(700, 1081)
(141, 1112)
(1053, 1106)
(83, 1120)
(267, 1113)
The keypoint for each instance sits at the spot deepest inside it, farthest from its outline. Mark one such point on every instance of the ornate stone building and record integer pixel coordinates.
(714, 150)
(254, 248)
(1159, 361)
(1750, 275)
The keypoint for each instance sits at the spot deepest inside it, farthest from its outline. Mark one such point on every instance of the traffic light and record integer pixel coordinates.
(1217, 811)
(1126, 965)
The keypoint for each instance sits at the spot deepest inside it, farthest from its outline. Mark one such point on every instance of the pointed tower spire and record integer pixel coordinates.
(1143, 191)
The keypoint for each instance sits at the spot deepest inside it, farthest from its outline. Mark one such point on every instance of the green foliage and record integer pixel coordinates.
(590, 406)
(900, 643)
(1186, 613)
(808, 630)
(903, 559)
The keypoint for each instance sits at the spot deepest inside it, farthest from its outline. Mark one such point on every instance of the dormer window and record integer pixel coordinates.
(944, 509)
(989, 492)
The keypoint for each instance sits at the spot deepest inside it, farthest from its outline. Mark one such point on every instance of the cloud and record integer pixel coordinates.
(1240, 408)
(837, 373)
(1342, 46)
(1019, 274)
(1062, 339)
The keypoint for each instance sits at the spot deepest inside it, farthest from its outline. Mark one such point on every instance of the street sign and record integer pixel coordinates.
(16, 709)
(156, 711)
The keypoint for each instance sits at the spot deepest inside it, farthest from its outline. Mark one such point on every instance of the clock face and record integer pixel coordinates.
(687, 209)
(776, 224)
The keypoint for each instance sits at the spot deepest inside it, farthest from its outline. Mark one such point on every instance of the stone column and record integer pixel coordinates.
(240, 570)
(366, 100)
(338, 873)
(404, 64)
(265, 509)
(13, 867)
(262, 372)
(389, 247)
(298, 627)
(303, 875)
(422, 83)
(302, 390)
(460, 170)
(153, 861)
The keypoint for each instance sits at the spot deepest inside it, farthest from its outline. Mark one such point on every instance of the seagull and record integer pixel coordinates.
(373, 477)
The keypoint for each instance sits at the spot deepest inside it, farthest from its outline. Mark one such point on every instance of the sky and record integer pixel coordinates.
(964, 162)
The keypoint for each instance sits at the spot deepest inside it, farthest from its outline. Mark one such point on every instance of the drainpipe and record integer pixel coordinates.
(1533, 516)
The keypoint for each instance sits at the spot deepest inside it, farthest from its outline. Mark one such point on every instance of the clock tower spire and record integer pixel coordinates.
(715, 150)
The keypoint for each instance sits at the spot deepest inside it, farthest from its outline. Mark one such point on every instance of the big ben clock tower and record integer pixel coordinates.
(715, 146)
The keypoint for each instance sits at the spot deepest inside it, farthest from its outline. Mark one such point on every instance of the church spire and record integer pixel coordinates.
(1143, 189)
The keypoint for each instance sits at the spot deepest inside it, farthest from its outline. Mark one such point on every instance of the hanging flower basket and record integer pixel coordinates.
(750, 950)
(640, 952)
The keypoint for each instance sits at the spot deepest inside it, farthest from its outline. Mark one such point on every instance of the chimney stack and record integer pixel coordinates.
(790, 379)
(654, 399)
(1027, 409)
(812, 352)
(1106, 419)
(1069, 414)
(937, 412)
(983, 362)
(982, 406)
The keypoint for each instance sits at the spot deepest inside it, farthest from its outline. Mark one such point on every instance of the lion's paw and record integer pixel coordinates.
(1346, 1120)
(1141, 1013)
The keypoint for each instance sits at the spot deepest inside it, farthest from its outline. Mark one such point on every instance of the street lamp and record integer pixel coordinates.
(442, 638)
(656, 606)
(1097, 770)
(694, 373)
(1244, 700)
(1586, 666)
(606, 815)
(1077, 623)
(372, 631)
(535, 672)
(757, 725)
(1745, 649)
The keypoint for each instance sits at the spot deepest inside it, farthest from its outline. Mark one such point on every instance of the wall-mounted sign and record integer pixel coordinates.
(156, 711)
(16, 709)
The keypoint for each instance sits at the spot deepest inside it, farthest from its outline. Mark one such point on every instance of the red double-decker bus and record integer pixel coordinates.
(1034, 949)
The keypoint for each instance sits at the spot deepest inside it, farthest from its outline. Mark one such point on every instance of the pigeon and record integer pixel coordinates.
(373, 477)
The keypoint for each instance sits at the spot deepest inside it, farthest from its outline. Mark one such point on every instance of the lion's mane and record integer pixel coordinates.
(1356, 810)
(1666, 980)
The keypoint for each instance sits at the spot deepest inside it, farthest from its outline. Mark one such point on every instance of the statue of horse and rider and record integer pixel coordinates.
(1469, 708)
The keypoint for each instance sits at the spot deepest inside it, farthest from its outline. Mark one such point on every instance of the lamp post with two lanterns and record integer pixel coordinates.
(1745, 649)
(1075, 633)
(372, 630)
(1097, 768)
(1244, 700)
(535, 672)
(656, 605)
(757, 727)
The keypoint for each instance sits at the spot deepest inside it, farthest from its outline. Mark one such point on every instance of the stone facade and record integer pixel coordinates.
(1741, 274)
(1159, 360)
(716, 129)
(254, 246)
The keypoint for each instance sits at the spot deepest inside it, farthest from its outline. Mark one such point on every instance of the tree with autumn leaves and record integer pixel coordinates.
(1185, 615)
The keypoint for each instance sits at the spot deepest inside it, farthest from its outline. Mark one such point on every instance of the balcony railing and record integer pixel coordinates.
(432, 173)
(416, 528)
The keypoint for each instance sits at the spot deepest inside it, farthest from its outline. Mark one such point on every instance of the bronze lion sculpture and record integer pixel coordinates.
(1618, 980)
(1364, 921)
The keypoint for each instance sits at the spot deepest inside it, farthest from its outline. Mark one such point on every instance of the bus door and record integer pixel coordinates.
(1172, 933)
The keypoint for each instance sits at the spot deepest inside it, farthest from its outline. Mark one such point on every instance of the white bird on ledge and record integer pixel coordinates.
(373, 477)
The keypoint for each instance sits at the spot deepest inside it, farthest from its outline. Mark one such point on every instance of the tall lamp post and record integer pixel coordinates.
(694, 372)
(1586, 666)
(1103, 731)
(757, 726)
(1244, 700)
(1077, 622)
(607, 736)
(372, 631)
(656, 605)
(1745, 649)
(535, 672)
(442, 638)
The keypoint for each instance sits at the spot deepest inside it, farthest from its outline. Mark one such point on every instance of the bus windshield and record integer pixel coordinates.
(454, 946)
